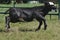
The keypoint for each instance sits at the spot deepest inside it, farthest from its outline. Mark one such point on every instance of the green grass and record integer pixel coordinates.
(52, 32)
(16, 33)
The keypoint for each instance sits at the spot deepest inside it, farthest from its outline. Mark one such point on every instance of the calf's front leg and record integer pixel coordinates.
(41, 18)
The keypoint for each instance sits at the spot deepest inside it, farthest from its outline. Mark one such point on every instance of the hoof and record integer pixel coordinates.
(7, 29)
(44, 28)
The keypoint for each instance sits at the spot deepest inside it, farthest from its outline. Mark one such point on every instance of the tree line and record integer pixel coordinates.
(23, 1)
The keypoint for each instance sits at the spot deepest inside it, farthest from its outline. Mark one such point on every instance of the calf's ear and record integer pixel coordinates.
(46, 3)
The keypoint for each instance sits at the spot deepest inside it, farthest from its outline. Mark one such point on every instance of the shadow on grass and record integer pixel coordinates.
(26, 30)
(22, 30)
(1, 30)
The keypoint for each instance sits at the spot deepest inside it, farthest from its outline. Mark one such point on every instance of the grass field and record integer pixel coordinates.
(17, 33)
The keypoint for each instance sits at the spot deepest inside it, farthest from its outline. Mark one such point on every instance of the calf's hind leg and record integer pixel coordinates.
(7, 22)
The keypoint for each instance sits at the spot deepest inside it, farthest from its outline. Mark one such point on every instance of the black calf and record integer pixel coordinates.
(28, 14)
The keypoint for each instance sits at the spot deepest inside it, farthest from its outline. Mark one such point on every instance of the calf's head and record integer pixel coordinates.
(51, 6)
